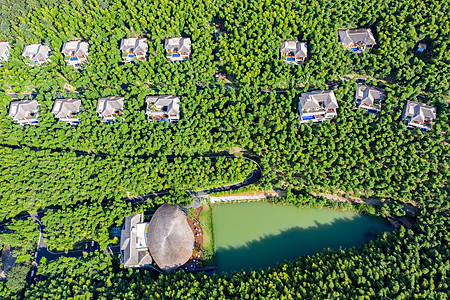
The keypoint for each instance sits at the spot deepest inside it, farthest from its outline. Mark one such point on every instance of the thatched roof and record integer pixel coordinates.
(170, 239)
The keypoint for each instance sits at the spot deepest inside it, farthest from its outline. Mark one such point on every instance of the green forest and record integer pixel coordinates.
(86, 177)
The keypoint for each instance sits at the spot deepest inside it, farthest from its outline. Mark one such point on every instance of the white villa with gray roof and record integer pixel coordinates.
(294, 52)
(4, 52)
(133, 49)
(66, 109)
(133, 242)
(24, 112)
(75, 53)
(36, 54)
(357, 40)
(108, 108)
(177, 48)
(317, 106)
(369, 98)
(163, 107)
(418, 115)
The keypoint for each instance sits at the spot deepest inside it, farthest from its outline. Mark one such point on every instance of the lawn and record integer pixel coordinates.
(209, 249)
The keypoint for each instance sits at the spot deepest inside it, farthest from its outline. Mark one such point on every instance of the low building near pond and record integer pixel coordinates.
(357, 40)
(24, 112)
(170, 239)
(317, 106)
(294, 52)
(108, 108)
(75, 53)
(167, 239)
(163, 108)
(5, 52)
(369, 98)
(133, 49)
(36, 54)
(177, 49)
(418, 115)
(133, 242)
(66, 109)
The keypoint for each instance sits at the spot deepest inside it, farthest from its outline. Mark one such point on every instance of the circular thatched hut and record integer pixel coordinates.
(170, 239)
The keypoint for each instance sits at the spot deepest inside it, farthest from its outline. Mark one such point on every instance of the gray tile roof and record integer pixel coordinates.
(134, 44)
(164, 103)
(77, 48)
(369, 95)
(179, 44)
(64, 108)
(361, 36)
(108, 106)
(4, 50)
(22, 109)
(132, 254)
(318, 99)
(418, 112)
(296, 48)
(36, 51)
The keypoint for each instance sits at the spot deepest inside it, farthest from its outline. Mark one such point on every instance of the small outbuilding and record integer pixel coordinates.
(170, 239)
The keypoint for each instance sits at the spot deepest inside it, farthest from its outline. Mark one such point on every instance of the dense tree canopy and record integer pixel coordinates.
(356, 154)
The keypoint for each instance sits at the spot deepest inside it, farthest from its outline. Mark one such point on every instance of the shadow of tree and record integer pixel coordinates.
(292, 243)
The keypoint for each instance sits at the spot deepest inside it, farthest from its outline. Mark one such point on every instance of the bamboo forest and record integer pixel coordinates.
(207, 108)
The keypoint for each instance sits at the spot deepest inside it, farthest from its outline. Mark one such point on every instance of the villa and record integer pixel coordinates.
(167, 239)
(294, 52)
(357, 40)
(163, 108)
(177, 48)
(4, 52)
(418, 115)
(317, 106)
(24, 112)
(369, 98)
(37, 54)
(133, 49)
(65, 110)
(109, 108)
(75, 53)
(133, 242)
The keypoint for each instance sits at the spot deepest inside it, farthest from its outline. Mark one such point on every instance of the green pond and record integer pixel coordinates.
(257, 235)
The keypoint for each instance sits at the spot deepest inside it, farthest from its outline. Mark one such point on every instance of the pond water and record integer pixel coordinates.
(258, 235)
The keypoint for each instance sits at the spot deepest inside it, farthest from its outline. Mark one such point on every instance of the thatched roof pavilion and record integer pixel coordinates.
(170, 239)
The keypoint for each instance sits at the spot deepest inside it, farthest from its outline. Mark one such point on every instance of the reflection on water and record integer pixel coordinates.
(257, 235)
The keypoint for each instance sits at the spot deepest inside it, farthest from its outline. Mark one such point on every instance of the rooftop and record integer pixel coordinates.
(318, 99)
(170, 240)
(363, 36)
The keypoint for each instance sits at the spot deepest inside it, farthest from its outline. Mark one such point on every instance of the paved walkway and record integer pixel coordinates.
(254, 196)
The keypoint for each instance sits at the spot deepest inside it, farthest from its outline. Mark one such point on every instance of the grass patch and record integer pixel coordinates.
(206, 220)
